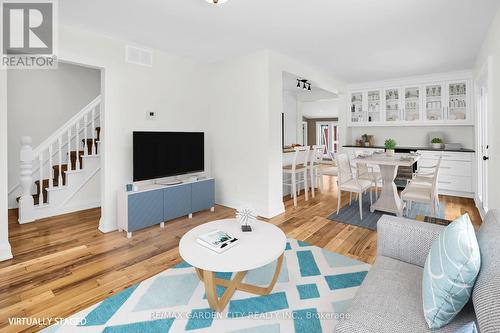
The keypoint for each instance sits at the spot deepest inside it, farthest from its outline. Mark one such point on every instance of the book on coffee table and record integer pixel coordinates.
(217, 240)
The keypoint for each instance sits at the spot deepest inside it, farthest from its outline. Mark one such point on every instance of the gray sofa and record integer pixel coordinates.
(390, 298)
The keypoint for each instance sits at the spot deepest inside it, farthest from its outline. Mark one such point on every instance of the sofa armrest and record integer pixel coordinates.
(406, 240)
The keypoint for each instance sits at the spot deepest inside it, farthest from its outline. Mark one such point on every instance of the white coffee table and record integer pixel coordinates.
(265, 244)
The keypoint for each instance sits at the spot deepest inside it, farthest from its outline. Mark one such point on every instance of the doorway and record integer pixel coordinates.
(482, 138)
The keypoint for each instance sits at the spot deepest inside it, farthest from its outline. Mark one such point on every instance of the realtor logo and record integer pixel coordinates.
(28, 34)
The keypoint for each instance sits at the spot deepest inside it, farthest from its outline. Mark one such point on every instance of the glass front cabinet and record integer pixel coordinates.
(411, 108)
(392, 104)
(357, 107)
(443, 103)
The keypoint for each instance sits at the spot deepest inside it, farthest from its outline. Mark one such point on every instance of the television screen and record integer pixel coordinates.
(164, 154)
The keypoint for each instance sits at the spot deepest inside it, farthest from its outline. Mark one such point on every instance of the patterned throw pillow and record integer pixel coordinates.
(450, 272)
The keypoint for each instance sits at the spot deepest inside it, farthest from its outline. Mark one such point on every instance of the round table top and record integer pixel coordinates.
(263, 245)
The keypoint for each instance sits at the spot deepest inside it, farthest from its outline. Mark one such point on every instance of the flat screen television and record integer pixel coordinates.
(164, 154)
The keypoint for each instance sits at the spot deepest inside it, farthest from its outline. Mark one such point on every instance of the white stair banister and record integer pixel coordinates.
(94, 149)
(51, 171)
(26, 181)
(85, 123)
(70, 166)
(77, 145)
(59, 152)
(40, 185)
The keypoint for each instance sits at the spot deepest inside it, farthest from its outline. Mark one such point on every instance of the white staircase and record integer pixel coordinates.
(53, 173)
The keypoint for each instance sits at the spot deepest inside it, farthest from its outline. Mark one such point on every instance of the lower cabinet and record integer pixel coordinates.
(202, 195)
(176, 202)
(147, 207)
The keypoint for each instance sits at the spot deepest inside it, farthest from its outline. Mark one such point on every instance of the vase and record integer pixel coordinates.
(436, 145)
(389, 152)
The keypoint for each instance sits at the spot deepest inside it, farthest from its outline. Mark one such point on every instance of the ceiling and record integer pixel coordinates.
(353, 40)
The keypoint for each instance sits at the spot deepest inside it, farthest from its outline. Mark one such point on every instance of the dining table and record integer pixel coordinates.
(389, 200)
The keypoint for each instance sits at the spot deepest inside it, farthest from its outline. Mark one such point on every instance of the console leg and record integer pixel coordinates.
(129, 235)
(162, 225)
(190, 215)
(212, 209)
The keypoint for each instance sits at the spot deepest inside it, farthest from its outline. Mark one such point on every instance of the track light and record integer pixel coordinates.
(309, 88)
(216, 2)
(298, 83)
(304, 84)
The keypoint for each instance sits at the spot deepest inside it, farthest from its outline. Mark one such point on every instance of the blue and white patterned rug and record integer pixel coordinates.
(313, 290)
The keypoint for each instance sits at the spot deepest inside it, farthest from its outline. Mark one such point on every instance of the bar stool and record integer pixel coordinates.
(298, 167)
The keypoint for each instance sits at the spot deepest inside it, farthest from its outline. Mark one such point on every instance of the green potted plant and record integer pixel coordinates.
(437, 143)
(390, 145)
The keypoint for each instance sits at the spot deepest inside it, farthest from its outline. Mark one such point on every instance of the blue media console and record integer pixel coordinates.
(156, 204)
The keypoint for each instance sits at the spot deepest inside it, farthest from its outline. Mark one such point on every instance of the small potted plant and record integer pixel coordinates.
(390, 145)
(437, 143)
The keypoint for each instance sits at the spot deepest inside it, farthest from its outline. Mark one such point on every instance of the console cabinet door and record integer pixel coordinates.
(203, 195)
(177, 201)
(145, 209)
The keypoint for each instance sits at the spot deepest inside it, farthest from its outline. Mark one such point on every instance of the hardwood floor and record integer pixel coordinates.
(64, 264)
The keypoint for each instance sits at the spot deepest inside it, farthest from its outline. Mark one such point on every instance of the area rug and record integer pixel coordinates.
(350, 214)
(313, 290)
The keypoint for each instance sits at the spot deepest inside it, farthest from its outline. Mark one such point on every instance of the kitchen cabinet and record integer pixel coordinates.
(426, 102)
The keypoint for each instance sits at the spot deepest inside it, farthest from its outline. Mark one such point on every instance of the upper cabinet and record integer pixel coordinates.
(357, 107)
(411, 109)
(392, 104)
(458, 101)
(442, 102)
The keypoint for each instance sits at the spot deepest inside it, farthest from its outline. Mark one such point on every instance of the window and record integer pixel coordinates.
(327, 134)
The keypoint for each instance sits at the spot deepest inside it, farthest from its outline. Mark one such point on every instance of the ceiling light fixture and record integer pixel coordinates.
(216, 2)
(304, 84)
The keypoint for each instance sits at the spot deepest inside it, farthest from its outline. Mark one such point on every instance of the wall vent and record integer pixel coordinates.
(138, 56)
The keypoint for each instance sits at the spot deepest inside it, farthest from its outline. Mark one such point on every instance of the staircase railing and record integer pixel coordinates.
(56, 145)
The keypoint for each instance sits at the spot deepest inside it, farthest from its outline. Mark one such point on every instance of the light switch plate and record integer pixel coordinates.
(151, 115)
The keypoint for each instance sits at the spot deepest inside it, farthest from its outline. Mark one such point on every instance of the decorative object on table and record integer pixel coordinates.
(245, 217)
(437, 143)
(366, 142)
(129, 187)
(217, 241)
(450, 272)
(390, 146)
(135, 188)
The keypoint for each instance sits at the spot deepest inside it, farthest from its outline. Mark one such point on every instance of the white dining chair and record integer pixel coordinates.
(348, 182)
(298, 172)
(423, 188)
(315, 167)
(365, 171)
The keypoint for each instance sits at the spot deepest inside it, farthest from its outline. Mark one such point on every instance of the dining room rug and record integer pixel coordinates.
(350, 214)
(313, 290)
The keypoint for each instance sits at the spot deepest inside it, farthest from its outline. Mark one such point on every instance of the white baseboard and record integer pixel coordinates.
(263, 212)
(104, 227)
(5, 252)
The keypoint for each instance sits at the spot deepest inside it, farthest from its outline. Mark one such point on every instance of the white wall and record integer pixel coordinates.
(415, 136)
(5, 252)
(291, 117)
(54, 97)
(491, 47)
(129, 92)
(235, 93)
(319, 109)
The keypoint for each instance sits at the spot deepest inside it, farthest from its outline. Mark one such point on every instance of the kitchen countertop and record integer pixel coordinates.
(462, 150)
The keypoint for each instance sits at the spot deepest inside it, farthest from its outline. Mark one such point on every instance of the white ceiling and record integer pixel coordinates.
(353, 40)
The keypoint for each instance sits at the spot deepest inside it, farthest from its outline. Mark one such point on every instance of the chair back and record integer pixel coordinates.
(300, 157)
(435, 176)
(317, 154)
(362, 168)
(344, 167)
